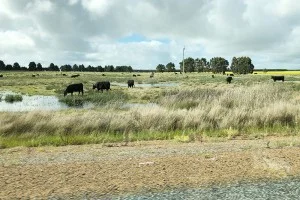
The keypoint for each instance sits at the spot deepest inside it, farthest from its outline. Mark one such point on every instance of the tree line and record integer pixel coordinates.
(240, 65)
(32, 66)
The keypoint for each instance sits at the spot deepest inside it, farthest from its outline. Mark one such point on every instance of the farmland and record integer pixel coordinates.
(183, 107)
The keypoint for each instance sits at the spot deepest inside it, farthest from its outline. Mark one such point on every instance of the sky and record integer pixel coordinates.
(145, 33)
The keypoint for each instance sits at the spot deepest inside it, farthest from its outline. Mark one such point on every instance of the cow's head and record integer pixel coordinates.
(94, 86)
(65, 93)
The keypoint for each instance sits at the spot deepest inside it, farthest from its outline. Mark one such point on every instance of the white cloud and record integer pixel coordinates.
(89, 31)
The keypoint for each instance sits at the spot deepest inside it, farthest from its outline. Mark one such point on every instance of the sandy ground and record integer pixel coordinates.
(100, 170)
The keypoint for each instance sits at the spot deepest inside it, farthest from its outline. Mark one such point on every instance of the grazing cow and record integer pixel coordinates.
(130, 83)
(228, 79)
(213, 76)
(103, 75)
(33, 75)
(175, 72)
(1, 75)
(151, 76)
(74, 76)
(64, 74)
(254, 73)
(138, 75)
(104, 85)
(277, 78)
(134, 75)
(231, 74)
(74, 88)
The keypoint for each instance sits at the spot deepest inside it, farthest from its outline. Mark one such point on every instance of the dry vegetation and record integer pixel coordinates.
(253, 106)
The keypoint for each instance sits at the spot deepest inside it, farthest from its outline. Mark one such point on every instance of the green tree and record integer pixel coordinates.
(100, 68)
(81, 68)
(160, 68)
(32, 66)
(109, 68)
(2, 65)
(66, 68)
(53, 67)
(170, 67)
(75, 68)
(189, 65)
(9, 67)
(242, 65)
(39, 67)
(16, 66)
(218, 65)
(201, 65)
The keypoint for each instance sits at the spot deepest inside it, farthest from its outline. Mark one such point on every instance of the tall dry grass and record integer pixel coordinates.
(237, 110)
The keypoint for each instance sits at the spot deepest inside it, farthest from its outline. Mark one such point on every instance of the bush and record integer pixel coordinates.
(13, 97)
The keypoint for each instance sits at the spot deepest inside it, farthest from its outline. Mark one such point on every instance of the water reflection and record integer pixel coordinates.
(35, 102)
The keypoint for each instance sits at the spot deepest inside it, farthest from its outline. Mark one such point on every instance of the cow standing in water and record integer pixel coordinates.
(104, 85)
(130, 83)
(74, 88)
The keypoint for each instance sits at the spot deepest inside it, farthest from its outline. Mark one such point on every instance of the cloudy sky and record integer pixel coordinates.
(144, 33)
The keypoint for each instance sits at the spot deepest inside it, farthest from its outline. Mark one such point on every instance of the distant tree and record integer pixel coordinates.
(16, 66)
(109, 68)
(189, 65)
(100, 68)
(2, 65)
(160, 68)
(39, 67)
(242, 65)
(9, 67)
(66, 68)
(170, 67)
(75, 68)
(201, 65)
(218, 65)
(90, 68)
(81, 68)
(53, 67)
(32, 66)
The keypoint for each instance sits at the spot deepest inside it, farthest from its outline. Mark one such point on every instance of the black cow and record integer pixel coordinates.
(74, 88)
(134, 75)
(213, 76)
(104, 85)
(130, 83)
(74, 76)
(64, 74)
(1, 75)
(151, 76)
(33, 75)
(103, 75)
(278, 78)
(231, 74)
(229, 79)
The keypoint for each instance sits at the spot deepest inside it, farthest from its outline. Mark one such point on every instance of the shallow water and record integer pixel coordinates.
(285, 189)
(34, 102)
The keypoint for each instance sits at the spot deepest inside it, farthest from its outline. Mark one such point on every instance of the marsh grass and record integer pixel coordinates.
(95, 97)
(13, 98)
(202, 107)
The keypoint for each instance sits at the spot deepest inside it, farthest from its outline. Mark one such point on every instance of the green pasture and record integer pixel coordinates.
(196, 108)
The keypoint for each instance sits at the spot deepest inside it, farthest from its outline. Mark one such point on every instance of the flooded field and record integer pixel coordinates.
(34, 102)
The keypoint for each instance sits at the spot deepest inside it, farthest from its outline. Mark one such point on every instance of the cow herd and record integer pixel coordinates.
(105, 85)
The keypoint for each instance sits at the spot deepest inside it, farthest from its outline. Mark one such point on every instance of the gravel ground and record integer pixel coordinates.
(104, 171)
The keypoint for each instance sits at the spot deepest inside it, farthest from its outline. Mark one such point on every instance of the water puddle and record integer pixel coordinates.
(148, 85)
(34, 102)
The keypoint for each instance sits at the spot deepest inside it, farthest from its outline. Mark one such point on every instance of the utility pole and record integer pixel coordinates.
(183, 59)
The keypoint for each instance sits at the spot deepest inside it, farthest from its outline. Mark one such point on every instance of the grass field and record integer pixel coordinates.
(194, 107)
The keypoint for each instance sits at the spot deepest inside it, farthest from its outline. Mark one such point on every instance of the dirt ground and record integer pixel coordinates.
(102, 170)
